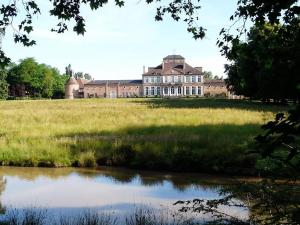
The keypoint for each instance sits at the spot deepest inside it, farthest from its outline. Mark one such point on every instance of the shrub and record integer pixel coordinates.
(123, 155)
(86, 159)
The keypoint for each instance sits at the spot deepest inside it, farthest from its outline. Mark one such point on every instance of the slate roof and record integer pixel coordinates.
(214, 82)
(97, 82)
(174, 57)
(169, 67)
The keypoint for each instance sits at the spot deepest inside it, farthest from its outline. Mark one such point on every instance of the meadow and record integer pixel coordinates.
(206, 135)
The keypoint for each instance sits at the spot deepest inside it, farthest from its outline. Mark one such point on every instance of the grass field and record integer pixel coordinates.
(179, 134)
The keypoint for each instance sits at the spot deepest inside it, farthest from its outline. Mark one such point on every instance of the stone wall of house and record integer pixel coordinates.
(112, 90)
(215, 88)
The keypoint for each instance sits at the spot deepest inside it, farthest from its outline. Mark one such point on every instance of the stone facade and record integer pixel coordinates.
(113, 89)
(172, 78)
(215, 88)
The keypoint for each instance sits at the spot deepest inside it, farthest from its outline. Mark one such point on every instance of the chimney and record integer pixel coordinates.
(144, 69)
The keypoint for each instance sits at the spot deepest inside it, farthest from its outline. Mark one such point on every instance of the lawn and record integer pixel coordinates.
(204, 135)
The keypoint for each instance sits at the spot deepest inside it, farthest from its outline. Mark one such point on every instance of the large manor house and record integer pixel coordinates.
(172, 78)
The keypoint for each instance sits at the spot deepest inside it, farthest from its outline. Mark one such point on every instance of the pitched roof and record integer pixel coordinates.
(95, 82)
(71, 81)
(214, 82)
(171, 68)
(174, 57)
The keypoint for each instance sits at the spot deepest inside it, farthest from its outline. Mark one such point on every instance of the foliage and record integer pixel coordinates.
(82, 75)
(3, 84)
(266, 65)
(208, 74)
(272, 200)
(39, 80)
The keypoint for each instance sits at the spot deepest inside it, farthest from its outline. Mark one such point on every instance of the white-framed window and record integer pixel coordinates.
(187, 79)
(179, 90)
(147, 91)
(166, 91)
(199, 90)
(193, 90)
(172, 90)
(158, 90)
(187, 90)
(199, 79)
(193, 79)
(175, 79)
(165, 79)
(172, 79)
(146, 79)
(152, 90)
(152, 79)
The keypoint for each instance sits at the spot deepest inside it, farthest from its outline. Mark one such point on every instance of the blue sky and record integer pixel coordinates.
(120, 41)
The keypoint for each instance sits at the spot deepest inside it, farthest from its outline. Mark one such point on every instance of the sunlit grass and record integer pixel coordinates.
(155, 132)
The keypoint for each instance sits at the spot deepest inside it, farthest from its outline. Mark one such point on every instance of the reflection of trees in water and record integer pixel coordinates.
(2, 188)
(179, 181)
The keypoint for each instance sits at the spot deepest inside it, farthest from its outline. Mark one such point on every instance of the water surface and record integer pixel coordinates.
(118, 190)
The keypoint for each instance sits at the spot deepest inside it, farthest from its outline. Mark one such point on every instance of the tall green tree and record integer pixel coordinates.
(266, 65)
(40, 80)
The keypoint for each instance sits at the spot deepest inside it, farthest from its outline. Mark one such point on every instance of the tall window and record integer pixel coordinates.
(179, 90)
(193, 90)
(199, 79)
(152, 90)
(172, 91)
(152, 79)
(187, 79)
(166, 91)
(146, 90)
(146, 79)
(172, 79)
(199, 91)
(193, 79)
(187, 90)
(158, 90)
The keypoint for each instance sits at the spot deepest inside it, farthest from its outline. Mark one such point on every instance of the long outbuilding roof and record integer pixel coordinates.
(95, 82)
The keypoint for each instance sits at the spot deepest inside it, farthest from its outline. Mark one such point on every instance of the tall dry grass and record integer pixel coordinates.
(182, 134)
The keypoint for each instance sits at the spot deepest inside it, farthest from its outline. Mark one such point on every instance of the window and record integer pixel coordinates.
(152, 90)
(152, 79)
(158, 90)
(166, 91)
(193, 79)
(187, 90)
(172, 91)
(147, 90)
(179, 90)
(146, 79)
(199, 79)
(199, 91)
(172, 79)
(187, 79)
(193, 90)
(175, 79)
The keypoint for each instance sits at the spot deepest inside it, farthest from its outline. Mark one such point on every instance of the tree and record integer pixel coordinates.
(266, 65)
(39, 80)
(3, 84)
(208, 74)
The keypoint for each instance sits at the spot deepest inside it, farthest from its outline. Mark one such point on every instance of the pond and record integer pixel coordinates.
(121, 191)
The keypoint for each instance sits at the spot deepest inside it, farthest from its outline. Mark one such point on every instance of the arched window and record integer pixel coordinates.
(172, 91)
(179, 90)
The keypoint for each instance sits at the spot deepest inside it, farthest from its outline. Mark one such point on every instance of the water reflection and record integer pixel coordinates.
(108, 189)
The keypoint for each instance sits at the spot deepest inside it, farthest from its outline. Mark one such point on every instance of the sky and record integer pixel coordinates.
(120, 41)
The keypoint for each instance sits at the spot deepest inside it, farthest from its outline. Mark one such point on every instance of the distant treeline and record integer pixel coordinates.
(30, 79)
